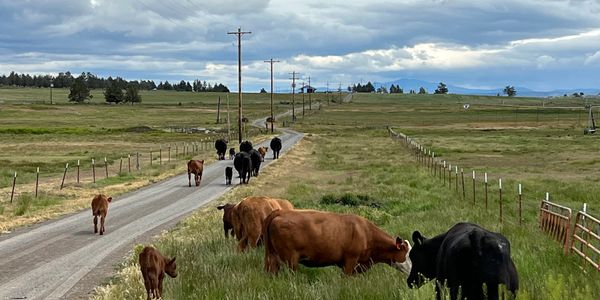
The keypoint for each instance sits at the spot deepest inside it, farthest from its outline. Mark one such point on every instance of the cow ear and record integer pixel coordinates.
(417, 238)
(221, 207)
(400, 244)
(109, 199)
(202, 161)
(172, 261)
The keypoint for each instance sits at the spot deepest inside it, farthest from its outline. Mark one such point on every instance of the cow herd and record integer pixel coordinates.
(468, 260)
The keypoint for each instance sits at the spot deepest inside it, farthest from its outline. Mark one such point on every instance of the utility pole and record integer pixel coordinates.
(239, 34)
(293, 94)
(327, 93)
(309, 96)
(340, 92)
(303, 99)
(272, 118)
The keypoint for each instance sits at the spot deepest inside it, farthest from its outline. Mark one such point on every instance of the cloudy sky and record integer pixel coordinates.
(540, 44)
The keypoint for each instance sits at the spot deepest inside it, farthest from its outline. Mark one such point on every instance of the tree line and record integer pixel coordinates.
(442, 88)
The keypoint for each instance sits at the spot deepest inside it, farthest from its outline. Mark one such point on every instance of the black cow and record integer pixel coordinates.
(221, 146)
(231, 153)
(276, 147)
(465, 257)
(256, 161)
(243, 165)
(246, 146)
(228, 175)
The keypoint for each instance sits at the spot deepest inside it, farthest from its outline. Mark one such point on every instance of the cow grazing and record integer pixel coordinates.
(256, 161)
(221, 147)
(319, 239)
(246, 146)
(228, 221)
(231, 153)
(154, 266)
(196, 167)
(228, 175)
(100, 209)
(465, 257)
(276, 147)
(243, 165)
(249, 215)
(263, 152)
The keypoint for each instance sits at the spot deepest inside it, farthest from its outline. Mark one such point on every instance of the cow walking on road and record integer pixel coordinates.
(196, 167)
(221, 147)
(276, 147)
(100, 209)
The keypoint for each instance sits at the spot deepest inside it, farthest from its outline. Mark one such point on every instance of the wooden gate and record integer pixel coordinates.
(555, 220)
(586, 239)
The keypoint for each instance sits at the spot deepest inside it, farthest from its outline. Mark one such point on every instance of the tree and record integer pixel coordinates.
(412, 92)
(441, 89)
(263, 91)
(79, 91)
(509, 91)
(113, 91)
(132, 94)
(422, 91)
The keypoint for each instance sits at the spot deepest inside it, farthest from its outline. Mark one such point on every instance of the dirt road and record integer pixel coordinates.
(63, 259)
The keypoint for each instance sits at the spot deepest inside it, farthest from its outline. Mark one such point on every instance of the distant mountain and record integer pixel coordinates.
(415, 84)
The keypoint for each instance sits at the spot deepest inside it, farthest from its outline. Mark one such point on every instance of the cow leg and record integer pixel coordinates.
(189, 179)
(95, 224)
(350, 265)
(199, 178)
(147, 284)
(160, 285)
(102, 217)
(293, 261)
(153, 285)
(243, 244)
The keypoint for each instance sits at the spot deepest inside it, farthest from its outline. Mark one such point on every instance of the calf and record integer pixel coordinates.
(231, 153)
(249, 215)
(228, 175)
(263, 152)
(465, 257)
(221, 147)
(196, 167)
(319, 239)
(228, 215)
(243, 165)
(100, 208)
(276, 147)
(246, 146)
(256, 161)
(154, 266)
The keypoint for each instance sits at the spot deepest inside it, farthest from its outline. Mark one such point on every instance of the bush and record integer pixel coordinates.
(349, 199)
(23, 205)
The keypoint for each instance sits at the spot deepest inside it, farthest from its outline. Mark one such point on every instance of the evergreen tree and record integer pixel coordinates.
(441, 89)
(113, 93)
(132, 94)
(79, 91)
(422, 91)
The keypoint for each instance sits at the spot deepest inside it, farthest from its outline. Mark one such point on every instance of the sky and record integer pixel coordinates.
(539, 44)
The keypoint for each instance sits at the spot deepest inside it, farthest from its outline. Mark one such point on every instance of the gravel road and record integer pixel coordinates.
(63, 259)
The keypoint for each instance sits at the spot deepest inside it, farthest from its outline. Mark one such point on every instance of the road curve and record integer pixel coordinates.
(63, 258)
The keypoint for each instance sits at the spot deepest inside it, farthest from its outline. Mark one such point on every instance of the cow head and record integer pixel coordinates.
(109, 199)
(171, 268)
(227, 218)
(423, 258)
(407, 264)
(398, 252)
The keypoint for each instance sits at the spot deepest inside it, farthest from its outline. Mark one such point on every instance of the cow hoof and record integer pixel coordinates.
(101, 233)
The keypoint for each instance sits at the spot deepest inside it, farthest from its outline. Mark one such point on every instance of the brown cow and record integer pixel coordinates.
(319, 239)
(154, 266)
(100, 208)
(196, 167)
(246, 218)
(263, 152)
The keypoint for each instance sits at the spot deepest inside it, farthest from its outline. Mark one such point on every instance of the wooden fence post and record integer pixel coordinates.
(444, 171)
(151, 158)
(456, 181)
(94, 170)
(78, 171)
(462, 180)
(485, 183)
(520, 205)
(450, 176)
(473, 187)
(129, 162)
(500, 197)
(137, 161)
(106, 167)
(160, 155)
(37, 181)
(121, 165)
(169, 151)
(62, 183)
(176, 150)
(12, 194)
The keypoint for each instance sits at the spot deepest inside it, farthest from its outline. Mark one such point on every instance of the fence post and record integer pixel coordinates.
(94, 170)
(151, 158)
(462, 181)
(433, 164)
(160, 155)
(456, 181)
(176, 150)
(521, 205)
(450, 176)
(137, 161)
(444, 175)
(121, 165)
(106, 167)
(37, 181)
(12, 194)
(486, 190)
(62, 183)
(78, 171)
(129, 162)
(169, 151)
(500, 194)
(473, 187)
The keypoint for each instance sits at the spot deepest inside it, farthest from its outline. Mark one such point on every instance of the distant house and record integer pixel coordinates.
(309, 89)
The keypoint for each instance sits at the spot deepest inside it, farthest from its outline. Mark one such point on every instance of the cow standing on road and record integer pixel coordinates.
(276, 147)
(196, 167)
(256, 161)
(100, 209)
(221, 147)
(243, 165)
(465, 257)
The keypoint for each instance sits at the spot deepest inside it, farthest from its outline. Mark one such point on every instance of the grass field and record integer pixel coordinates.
(36, 134)
(347, 153)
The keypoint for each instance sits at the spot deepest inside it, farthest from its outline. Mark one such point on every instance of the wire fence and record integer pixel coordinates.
(484, 192)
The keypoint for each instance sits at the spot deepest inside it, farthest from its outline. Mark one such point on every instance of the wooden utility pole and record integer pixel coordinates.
(239, 34)
(309, 98)
(294, 74)
(303, 92)
(219, 110)
(272, 118)
(327, 93)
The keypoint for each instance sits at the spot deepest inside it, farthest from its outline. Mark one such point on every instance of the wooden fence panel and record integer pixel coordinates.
(586, 239)
(555, 220)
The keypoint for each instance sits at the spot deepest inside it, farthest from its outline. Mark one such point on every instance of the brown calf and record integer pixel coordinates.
(196, 167)
(154, 266)
(263, 152)
(246, 218)
(100, 208)
(319, 239)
